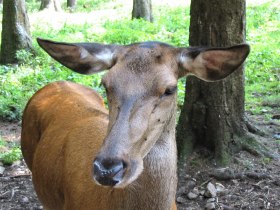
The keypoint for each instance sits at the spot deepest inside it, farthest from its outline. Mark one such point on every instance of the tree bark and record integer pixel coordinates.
(142, 9)
(213, 114)
(15, 30)
(71, 3)
(50, 5)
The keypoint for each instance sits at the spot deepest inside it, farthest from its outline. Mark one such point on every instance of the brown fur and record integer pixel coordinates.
(60, 121)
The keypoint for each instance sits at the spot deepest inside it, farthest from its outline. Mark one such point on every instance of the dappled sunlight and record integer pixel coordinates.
(114, 10)
(57, 20)
(110, 11)
(255, 3)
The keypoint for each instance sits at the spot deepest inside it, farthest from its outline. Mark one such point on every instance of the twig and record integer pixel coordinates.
(3, 194)
(14, 190)
(229, 174)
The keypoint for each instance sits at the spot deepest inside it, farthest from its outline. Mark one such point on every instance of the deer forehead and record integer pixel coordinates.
(145, 65)
(152, 82)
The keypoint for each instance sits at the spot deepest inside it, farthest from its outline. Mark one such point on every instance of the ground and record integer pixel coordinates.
(250, 182)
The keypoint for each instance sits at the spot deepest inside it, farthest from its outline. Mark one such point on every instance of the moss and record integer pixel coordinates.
(223, 158)
(252, 145)
(185, 149)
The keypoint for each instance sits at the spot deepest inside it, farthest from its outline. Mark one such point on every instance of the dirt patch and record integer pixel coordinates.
(250, 182)
(16, 189)
(10, 131)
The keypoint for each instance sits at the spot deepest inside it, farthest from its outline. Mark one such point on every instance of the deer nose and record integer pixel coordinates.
(108, 172)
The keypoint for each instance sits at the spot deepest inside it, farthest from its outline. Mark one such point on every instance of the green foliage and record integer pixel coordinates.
(19, 83)
(2, 143)
(168, 27)
(181, 92)
(11, 156)
(266, 160)
(32, 5)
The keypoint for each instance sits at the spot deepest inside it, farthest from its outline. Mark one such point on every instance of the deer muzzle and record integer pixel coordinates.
(108, 172)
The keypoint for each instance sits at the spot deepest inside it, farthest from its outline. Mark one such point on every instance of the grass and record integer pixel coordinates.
(19, 82)
(263, 65)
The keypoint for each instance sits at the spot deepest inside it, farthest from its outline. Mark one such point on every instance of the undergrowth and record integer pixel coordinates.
(171, 25)
(8, 156)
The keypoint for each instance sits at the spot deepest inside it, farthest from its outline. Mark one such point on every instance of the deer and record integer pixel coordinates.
(84, 157)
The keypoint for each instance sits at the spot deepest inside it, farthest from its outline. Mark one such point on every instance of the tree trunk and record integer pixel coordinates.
(15, 30)
(50, 5)
(142, 9)
(71, 3)
(213, 113)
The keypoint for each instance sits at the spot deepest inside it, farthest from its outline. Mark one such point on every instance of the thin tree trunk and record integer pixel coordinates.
(71, 3)
(142, 9)
(50, 5)
(213, 113)
(15, 30)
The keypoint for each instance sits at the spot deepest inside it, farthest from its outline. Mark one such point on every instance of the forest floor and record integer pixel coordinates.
(250, 182)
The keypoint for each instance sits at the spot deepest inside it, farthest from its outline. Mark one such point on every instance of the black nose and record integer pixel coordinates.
(108, 172)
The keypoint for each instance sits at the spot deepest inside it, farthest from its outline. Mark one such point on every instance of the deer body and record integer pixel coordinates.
(81, 125)
(74, 147)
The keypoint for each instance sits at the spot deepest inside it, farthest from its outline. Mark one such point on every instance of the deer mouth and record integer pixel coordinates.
(118, 175)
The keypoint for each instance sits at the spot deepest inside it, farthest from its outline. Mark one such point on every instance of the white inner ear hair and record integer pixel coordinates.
(185, 61)
(83, 53)
(105, 56)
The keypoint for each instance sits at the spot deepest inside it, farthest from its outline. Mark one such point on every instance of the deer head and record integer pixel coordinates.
(141, 87)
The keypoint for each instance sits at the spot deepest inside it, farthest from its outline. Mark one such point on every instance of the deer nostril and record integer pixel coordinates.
(108, 171)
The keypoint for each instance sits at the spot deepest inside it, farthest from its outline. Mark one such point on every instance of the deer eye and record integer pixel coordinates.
(170, 91)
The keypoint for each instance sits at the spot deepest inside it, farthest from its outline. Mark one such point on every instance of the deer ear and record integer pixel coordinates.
(84, 58)
(212, 64)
